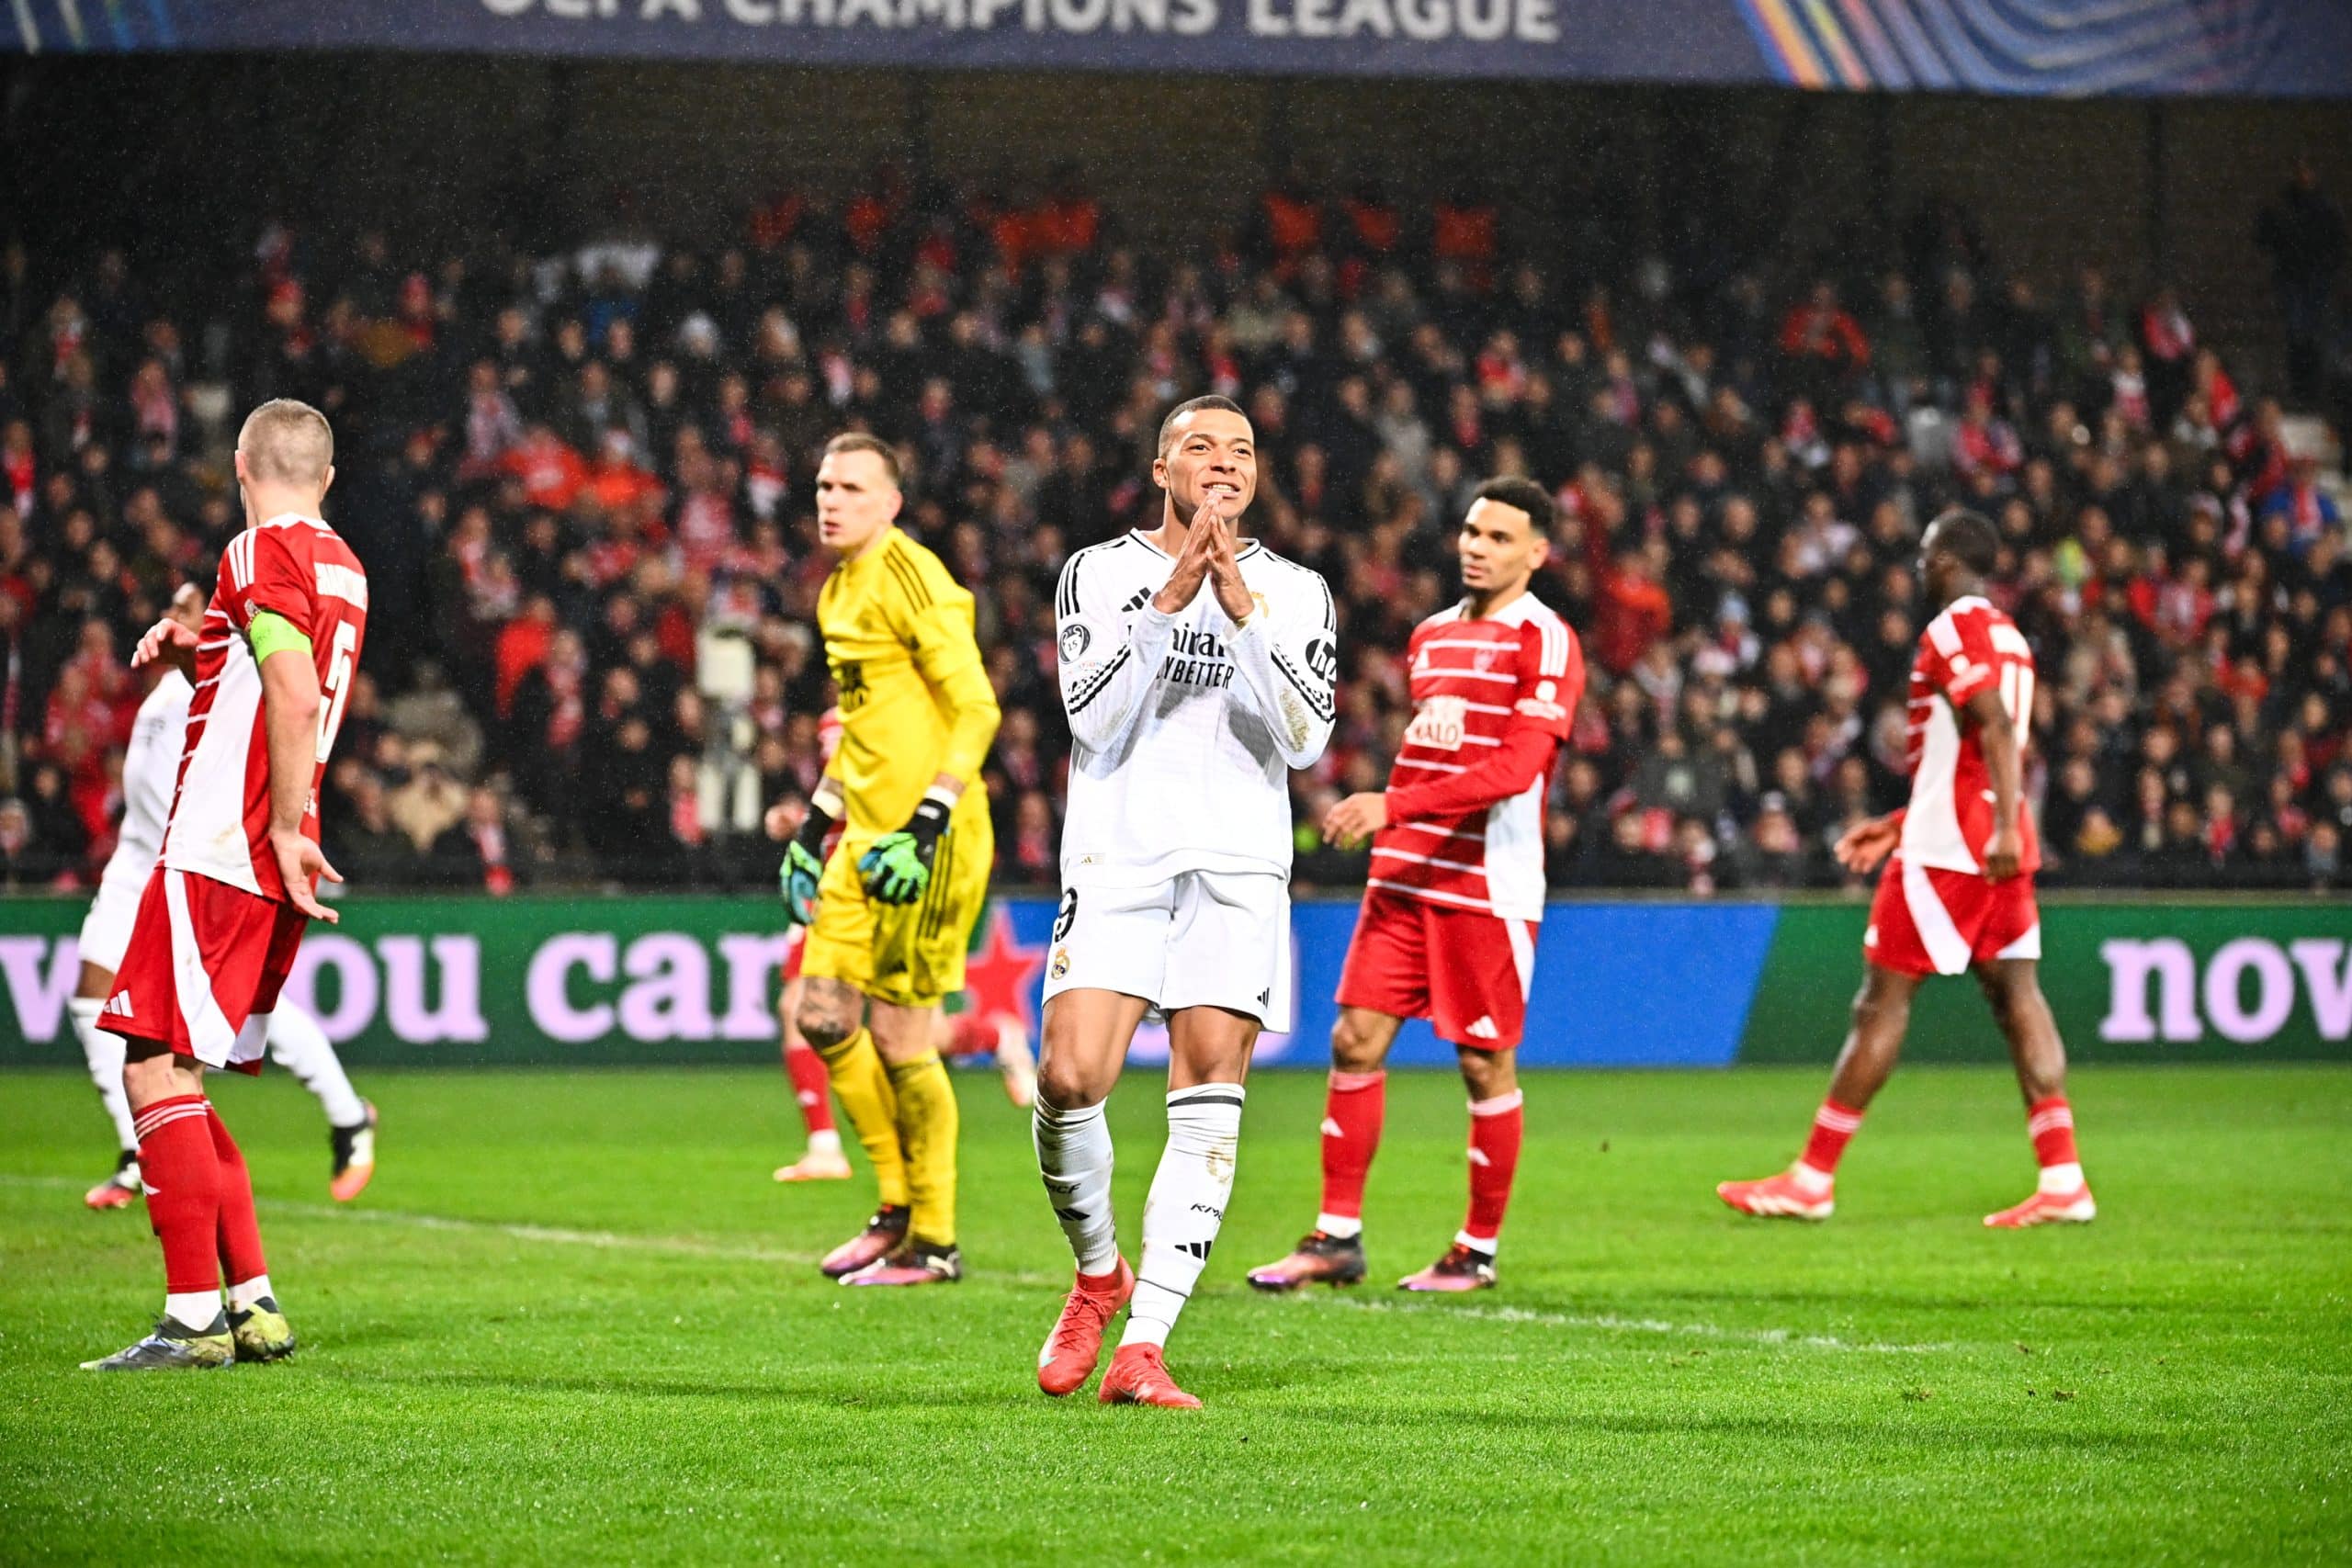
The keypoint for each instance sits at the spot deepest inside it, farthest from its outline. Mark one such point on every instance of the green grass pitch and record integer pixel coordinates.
(574, 1320)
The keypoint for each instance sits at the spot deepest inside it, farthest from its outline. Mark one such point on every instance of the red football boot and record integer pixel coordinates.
(1138, 1376)
(1785, 1196)
(2074, 1208)
(1075, 1344)
(119, 1191)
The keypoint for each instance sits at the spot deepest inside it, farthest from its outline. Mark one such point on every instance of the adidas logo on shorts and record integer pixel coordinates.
(1484, 1030)
(118, 1005)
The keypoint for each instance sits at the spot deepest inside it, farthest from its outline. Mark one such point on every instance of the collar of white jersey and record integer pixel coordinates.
(1516, 613)
(1249, 546)
(289, 519)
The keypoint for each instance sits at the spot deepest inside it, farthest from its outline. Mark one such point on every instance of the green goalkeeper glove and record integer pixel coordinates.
(804, 868)
(897, 868)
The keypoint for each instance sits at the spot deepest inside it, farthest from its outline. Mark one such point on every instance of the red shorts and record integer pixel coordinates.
(203, 969)
(1466, 971)
(1926, 920)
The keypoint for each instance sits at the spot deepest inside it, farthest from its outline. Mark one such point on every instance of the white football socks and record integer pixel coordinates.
(1074, 1157)
(301, 1047)
(104, 1052)
(1186, 1206)
(245, 1292)
(192, 1309)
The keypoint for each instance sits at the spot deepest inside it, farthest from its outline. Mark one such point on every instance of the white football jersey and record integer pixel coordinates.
(151, 768)
(1185, 727)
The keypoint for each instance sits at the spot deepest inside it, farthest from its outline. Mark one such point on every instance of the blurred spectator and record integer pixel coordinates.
(574, 472)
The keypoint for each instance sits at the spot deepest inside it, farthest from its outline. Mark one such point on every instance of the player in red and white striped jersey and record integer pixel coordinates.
(224, 910)
(1447, 932)
(1957, 895)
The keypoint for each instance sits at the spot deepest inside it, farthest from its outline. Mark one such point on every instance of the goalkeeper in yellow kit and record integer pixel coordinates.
(890, 914)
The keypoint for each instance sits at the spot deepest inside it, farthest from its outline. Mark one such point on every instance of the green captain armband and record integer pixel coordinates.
(270, 632)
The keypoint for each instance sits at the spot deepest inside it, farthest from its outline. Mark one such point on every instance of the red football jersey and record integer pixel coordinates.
(1472, 681)
(1970, 647)
(298, 569)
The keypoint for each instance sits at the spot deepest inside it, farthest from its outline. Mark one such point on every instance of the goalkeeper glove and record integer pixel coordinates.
(897, 868)
(804, 867)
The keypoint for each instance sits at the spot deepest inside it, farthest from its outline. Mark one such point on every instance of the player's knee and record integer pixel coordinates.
(1878, 1005)
(149, 1077)
(824, 1027)
(1064, 1080)
(1065, 1087)
(1489, 1075)
(1356, 1046)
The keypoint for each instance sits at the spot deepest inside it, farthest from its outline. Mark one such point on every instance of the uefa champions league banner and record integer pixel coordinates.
(569, 982)
(2052, 48)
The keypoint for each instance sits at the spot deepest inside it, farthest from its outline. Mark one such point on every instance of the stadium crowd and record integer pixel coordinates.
(581, 482)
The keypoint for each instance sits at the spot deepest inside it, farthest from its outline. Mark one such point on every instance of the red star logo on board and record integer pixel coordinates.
(1002, 975)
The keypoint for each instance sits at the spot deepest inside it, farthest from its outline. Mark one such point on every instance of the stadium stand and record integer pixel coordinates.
(580, 479)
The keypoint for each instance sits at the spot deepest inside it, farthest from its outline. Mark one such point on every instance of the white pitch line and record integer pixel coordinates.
(547, 1235)
(1612, 1322)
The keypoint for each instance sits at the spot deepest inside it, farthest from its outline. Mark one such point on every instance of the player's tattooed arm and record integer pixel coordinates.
(1108, 668)
(1286, 665)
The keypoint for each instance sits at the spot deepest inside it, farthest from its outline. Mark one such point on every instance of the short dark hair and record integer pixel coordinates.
(1970, 538)
(1194, 405)
(859, 440)
(1525, 494)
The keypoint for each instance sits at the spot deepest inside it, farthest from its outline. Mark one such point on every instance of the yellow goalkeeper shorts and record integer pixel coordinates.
(909, 954)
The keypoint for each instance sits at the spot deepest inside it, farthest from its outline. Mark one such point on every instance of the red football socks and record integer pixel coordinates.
(1353, 1113)
(1834, 1126)
(238, 1233)
(182, 1173)
(1496, 1126)
(810, 1087)
(2051, 1123)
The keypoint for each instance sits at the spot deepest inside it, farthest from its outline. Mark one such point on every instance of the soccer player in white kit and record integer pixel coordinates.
(1197, 670)
(150, 769)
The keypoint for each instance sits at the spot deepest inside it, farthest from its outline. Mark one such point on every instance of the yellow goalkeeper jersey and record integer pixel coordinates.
(914, 699)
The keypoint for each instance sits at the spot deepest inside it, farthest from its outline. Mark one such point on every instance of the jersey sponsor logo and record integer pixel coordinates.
(1438, 724)
(1198, 658)
(1323, 657)
(849, 677)
(1537, 708)
(341, 583)
(1066, 915)
(1075, 640)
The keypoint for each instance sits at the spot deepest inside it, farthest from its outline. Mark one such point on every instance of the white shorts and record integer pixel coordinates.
(105, 929)
(1203, 939)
